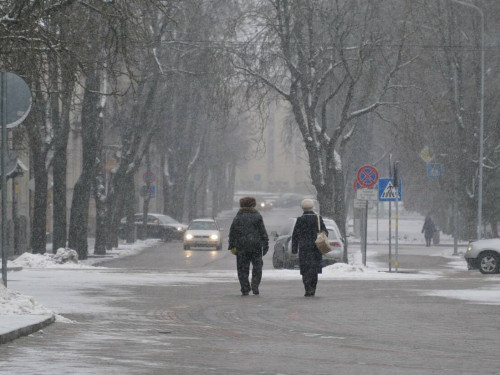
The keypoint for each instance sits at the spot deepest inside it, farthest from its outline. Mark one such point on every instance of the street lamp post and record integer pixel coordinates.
(481, 121)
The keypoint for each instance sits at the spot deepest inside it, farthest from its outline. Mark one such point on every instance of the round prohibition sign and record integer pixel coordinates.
(356, 185)
(367, 176)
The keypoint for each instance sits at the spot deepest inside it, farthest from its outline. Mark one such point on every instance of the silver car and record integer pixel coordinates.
(484, 255)
(283, 257)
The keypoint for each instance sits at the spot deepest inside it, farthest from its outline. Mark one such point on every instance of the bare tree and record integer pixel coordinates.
(319, 56)
(442, 116)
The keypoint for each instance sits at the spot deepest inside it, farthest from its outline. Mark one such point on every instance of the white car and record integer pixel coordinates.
(336, 242)
(283, 257)
(204, 233)
(484, 255)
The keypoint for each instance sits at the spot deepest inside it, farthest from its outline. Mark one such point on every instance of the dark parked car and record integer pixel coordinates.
(283, 257)
(158, 226)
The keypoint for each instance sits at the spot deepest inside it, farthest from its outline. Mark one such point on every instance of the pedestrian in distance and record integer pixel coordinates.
(249, 241)
(304, 235)
(428, 229)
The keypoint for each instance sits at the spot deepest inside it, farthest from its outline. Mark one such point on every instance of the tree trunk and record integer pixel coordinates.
(59, 171)
(100, 193)
(33, 124)
(165, 181)
(80, 205)
(494, 228)
(203, 194)
(130, 209)
(216, 186)
(231, 179)
(39, 229)
(339, 212)
(147, 198)
(192, 194)
(114, 213)
(101, 222)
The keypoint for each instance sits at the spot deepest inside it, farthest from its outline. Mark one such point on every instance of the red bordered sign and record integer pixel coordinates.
(367, 176)
(356, 185)
(149, 177)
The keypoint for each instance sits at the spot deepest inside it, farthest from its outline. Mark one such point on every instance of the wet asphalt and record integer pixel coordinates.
(350, 327)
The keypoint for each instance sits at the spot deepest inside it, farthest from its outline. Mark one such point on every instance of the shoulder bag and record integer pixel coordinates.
(321, 241)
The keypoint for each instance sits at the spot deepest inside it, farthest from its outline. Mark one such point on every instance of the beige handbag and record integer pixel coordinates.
(322, 242)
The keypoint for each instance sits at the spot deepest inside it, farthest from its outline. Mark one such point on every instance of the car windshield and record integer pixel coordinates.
(332, 233)
(203, 225)
(164, 219)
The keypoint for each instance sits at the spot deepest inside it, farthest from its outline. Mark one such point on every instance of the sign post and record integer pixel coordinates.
(387, 192)
(15, 105)
(396, 184)
(390, 218)
(367, 177)
(3, 115)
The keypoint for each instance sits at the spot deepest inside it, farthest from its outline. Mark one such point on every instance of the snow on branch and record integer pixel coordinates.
(157, 61)
(364, 110)
(263, 79)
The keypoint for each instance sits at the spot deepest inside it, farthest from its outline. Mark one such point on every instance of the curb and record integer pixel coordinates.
(25, 331)
(14, 269)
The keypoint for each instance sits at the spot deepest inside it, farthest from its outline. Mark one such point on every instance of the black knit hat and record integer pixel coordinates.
(248, 202)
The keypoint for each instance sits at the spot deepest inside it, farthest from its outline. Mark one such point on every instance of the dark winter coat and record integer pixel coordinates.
(429, 228)
(248, 233)
(304, 234)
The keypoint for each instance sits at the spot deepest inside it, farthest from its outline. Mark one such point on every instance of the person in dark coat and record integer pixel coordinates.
(304, 234)
(428, 230)
(249, 240)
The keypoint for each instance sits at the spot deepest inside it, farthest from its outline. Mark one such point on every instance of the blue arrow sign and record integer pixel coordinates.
(387, 191)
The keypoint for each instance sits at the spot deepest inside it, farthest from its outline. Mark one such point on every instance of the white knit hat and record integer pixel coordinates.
(307, 204)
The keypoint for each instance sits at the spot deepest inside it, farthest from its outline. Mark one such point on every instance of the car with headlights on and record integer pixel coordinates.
(158, 226)
(283, 257)
(203, 233)
(484, 255)
(264, 205)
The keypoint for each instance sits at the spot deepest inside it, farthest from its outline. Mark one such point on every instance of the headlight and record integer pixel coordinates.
(469, 248)
(189, 236)
(263, 205)
(214, 237)
(179, 228)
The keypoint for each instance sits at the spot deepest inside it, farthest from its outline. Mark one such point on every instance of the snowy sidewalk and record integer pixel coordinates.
(21, 315)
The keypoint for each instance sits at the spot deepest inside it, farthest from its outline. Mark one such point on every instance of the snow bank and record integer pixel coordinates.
(14, 303)
(481, 296)
(64, 258)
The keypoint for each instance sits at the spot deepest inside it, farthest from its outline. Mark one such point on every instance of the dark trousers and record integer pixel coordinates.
(428, 240)
(243, 260)
(310, 281)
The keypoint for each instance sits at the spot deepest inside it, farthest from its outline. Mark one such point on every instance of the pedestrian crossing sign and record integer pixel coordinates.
(434, 170)
(387, 192)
